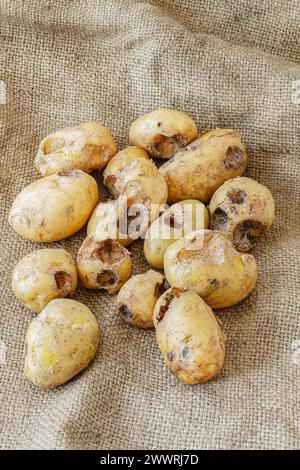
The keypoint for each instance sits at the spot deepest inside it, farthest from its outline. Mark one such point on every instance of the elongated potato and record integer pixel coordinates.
(86, 147)
(163, 132)
(179, 220)
(207, 263)
(198, 170)
(44, 275)
(242, 209)
(188, 336)
(61, 341)
(54, 207)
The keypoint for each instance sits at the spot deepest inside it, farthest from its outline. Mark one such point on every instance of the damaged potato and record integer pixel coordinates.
(54, 207)
(242, 209)
(189, 336)
(206, 262)
(61, 342)
(103, 264)
(137, 298)
(163, 132)
(199, 169)
(179, 220)
(42, 276)
(86, 147)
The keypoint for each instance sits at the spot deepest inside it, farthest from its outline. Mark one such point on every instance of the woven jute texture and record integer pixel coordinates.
(230, 63)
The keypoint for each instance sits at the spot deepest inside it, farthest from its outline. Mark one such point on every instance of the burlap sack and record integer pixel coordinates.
(230, 63)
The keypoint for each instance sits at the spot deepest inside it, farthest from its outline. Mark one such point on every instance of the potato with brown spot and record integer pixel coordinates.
(54, 207)
(137, 298)
(242, 209)
(61, 341)
(103, 264)
(207, 263)
(199, 169)
(85, 147)
(163, 132)
(44, 275)
(189, 336)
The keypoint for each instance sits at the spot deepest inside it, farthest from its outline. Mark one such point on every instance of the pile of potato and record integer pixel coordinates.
(203, 251)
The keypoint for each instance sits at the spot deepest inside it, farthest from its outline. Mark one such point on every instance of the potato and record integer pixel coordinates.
(44, 275)
(188, 336)
(86, 147)
(137, 298)
(198, 170)
(103, 264)
(54, 207)
(61, 341)
(207, 263)
(180, 219)
(163, 132)
(242, 209)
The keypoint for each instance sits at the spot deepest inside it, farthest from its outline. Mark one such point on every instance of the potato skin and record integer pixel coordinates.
(163, 132)
(137, 298)
(173, 224)
(86, 147)
(188, 336)
(197, 171)
(61, 341)
(44, 275)
(207, 263)
(54, 207)
(242, 209)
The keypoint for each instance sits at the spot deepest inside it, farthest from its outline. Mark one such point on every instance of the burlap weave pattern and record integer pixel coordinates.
(227, 63)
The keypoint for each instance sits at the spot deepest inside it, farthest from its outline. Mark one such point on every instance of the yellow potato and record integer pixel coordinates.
(61, 341)
(42, 276)
(54, 207)
(188, 336)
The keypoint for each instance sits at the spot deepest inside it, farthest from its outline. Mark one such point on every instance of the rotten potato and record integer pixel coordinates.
(180, 219)
(103, 264)
(54, 207)
(199, 169)
(44, 275)
(242, 209)
(163, 132)
(138, 296)
(189, 336)
(86, 147)
(206, 262)
(61, 341)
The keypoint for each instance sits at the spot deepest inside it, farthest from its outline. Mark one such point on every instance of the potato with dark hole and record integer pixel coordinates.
(54, 207)
(42, 276)
(180, 219)
(206, 262)
(103, 264)
(61, 341)
(189, 336)
(242, 209)
(198, 170)
(121, 220)
(86, 147)
(138, 296)
(163, 132)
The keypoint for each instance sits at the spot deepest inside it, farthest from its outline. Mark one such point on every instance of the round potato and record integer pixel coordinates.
(61, 341)
(198, 170)
(179, 220)
(86, 147)
(206, 262)
(188, 336)
(42, 276)
(242, 209)
(137, 298)
(163, 132)
(54, 207)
